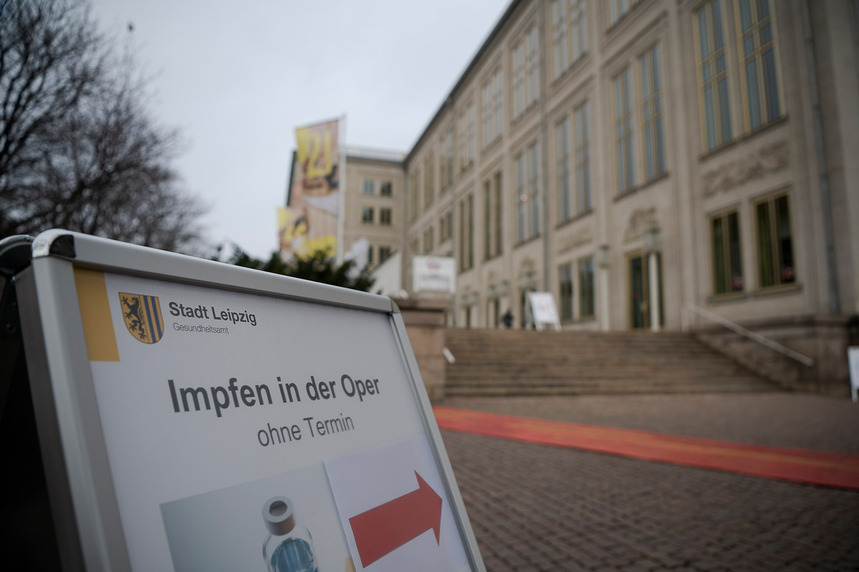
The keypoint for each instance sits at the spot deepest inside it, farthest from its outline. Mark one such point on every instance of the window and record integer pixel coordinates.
(385, 216)
(467, 142)
(569, 35)
(370, 256)
(492, 217)
(521, 197)
(617, 9)
(429, 240)
(565, 277)
(562, 162)
(583, 162)
(586, 287)
(447, 159)
(526, 71)
(445, 227)
(429, 179)
(727, 260)
(386, 188)
(367, 215)
(651, 114)
(560, 44)
(758, 75)
(413, 195)
(578, 30)
(369, 187)
(623, 132)
(534, 190)
(518, 78)
(466, 233)
(384, 253)
(775, 243)
(526, 169)
(715, 106)
(492, 108)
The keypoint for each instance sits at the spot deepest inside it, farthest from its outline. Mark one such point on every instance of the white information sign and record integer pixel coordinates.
(434, 274)
(223, 410)
(543, 309)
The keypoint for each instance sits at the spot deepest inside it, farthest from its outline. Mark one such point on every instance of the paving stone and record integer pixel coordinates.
(535, 507)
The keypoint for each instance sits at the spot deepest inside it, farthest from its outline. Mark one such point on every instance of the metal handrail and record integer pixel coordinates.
(754, 336)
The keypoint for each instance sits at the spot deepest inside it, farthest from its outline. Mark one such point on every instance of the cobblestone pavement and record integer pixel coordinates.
(535, 507)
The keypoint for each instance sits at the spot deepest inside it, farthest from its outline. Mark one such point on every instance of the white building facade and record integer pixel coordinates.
(649, 162)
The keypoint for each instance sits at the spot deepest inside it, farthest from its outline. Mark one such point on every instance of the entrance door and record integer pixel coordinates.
(641, 297)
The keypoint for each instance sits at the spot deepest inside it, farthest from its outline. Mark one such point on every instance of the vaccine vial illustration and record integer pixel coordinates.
(289, 547)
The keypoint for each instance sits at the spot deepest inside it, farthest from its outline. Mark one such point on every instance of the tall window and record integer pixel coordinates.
(519, 78)
(651, 114)
(623, 132)
(367, 215)
(532, 65)
(569, 34)
(521, 197)
(385, 189)
(775, 242)
(492, 108)
(533, 190)
(564, 176)
(369, 186)
(526, 71)
(583, 161)
(712, 76)
(617, 9)
(727, 260)
(758, 75)
(447, 159)
(467, 136)
(384, 253)
(492, 217)
(466, 233)
(586, 287)
(429, 239)
(429, 179)
(385, 216)
(445, 227)
(413, 195)
(578, 30)
(565, 278)
(560, 41)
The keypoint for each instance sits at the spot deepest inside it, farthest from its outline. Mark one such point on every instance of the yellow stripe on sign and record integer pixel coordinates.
(95, 314)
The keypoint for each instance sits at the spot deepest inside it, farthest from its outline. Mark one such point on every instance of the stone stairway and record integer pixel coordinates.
(520, 362)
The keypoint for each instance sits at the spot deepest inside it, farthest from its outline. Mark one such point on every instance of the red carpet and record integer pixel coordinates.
(797, 465)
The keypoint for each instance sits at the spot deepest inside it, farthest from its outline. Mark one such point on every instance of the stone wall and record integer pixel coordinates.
(425, 325)
(823, 339)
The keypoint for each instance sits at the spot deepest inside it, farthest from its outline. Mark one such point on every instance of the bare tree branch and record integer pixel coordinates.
(78, 149)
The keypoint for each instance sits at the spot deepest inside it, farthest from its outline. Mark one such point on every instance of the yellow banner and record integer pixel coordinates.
(314, 201)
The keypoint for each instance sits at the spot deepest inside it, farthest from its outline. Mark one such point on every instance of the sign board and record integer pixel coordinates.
(543, 309)
(193, 411)
(433, 274)
(853, 364)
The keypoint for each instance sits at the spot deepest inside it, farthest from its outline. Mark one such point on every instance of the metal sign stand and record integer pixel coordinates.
(167, 388)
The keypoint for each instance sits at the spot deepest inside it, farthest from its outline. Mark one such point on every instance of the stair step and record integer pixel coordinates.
(504, 362)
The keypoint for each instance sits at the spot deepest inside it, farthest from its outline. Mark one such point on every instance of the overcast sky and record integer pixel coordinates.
(237, 78)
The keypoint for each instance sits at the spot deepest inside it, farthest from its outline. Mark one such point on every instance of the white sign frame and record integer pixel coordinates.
(543, 310)
(853, 367)
(75, 454)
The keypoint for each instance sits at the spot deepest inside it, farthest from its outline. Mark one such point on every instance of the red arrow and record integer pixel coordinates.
(385, 528)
